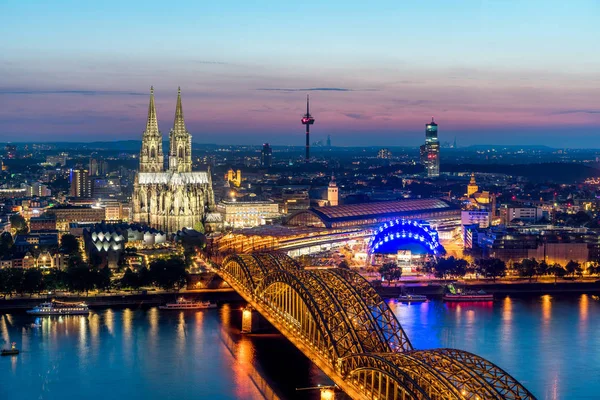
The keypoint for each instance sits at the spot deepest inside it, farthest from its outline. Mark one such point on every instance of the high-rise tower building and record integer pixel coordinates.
(81, 185)
(430, 151)
(266, 156)
(307, 120)
(151, 154)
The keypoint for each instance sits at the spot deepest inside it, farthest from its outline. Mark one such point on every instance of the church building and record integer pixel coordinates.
(176, 197)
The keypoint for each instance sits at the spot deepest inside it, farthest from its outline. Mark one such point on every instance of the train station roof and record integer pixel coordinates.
(371, 213)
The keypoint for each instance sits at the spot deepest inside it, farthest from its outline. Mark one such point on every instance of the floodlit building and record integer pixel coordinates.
(247, 214)
(178, 197)
(332, 193)
(472, 187)
(234, 177)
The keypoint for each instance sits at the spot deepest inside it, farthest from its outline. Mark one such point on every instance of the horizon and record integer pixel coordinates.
(510, 73)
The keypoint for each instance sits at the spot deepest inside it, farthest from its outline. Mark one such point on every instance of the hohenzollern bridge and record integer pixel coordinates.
(336, 318)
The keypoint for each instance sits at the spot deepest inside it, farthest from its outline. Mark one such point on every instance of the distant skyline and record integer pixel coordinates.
(491, 72)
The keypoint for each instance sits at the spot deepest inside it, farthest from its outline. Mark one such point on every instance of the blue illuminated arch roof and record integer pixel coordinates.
(402, 233)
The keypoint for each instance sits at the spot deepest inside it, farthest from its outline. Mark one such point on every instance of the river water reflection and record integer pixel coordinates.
(550, 344)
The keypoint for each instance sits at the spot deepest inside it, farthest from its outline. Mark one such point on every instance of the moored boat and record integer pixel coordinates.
(412, 298)
(60, 308)
(183, 304)
(469, 296)
(13, 351)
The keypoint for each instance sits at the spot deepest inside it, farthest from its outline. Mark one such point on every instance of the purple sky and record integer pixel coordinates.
(489, 72)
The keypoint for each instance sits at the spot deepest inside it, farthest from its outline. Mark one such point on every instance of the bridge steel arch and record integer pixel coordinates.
(337, 319)
(379, 310)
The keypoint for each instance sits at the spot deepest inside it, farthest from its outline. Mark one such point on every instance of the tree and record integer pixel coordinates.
(593, 269)
(130, 279)
(168, 274)
(18, 223)
(69, 244)
(527, 268)
(32, 281)
(450, 267)
(492, 268)
(557, 271)
(55, 279)
(79, 278)
(101, 278)
(390, 271)
(6, 243)
(542, 268)
(145, 277)
(573, 267)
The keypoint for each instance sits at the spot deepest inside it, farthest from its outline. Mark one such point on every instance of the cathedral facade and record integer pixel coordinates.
(172, 198)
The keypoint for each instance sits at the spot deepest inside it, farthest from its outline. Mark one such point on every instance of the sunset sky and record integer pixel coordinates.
(491, 72)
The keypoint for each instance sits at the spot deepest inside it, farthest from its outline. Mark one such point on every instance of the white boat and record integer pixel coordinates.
(183, 304)
(412, 298)
(60, 308)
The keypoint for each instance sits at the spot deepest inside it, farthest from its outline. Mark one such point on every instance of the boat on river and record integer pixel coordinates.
(412, 298)
(13, 351)
(469, 296)
(459, 295)
(60, 308)
(183, 304)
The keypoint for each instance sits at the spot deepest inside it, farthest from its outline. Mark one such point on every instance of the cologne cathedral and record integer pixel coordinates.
(176, 197)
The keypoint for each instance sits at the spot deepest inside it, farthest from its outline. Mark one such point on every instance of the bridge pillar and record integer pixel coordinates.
(251, 320)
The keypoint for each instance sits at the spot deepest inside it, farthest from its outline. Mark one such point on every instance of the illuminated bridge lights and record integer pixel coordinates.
(406, 230)
(370, 360)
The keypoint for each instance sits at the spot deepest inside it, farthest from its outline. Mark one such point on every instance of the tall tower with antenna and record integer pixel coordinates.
(307, 120)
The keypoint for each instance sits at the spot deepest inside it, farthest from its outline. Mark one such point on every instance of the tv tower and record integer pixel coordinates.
(307, 120)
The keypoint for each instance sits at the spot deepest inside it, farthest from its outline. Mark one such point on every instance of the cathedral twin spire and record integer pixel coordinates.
(180, 140)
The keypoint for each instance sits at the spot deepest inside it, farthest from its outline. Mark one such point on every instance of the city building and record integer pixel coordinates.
(81, 186)
(98, 167)
(177, 198)
(481, 218)
(247, 214)
(550, 245)
(266, 156)
(108, 241)
(472, 187)
(106, 188)
(293, 200)
(332, 193)
(520, 214)
(58, 159)
(36, 189)
(430, 151)
(42, 223)
(384, 154)
(67, 214)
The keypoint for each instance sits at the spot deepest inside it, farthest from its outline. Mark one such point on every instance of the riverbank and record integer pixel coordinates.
(498, 288)
(132, 300)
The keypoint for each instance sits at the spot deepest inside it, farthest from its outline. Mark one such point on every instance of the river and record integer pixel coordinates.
(549, 343)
